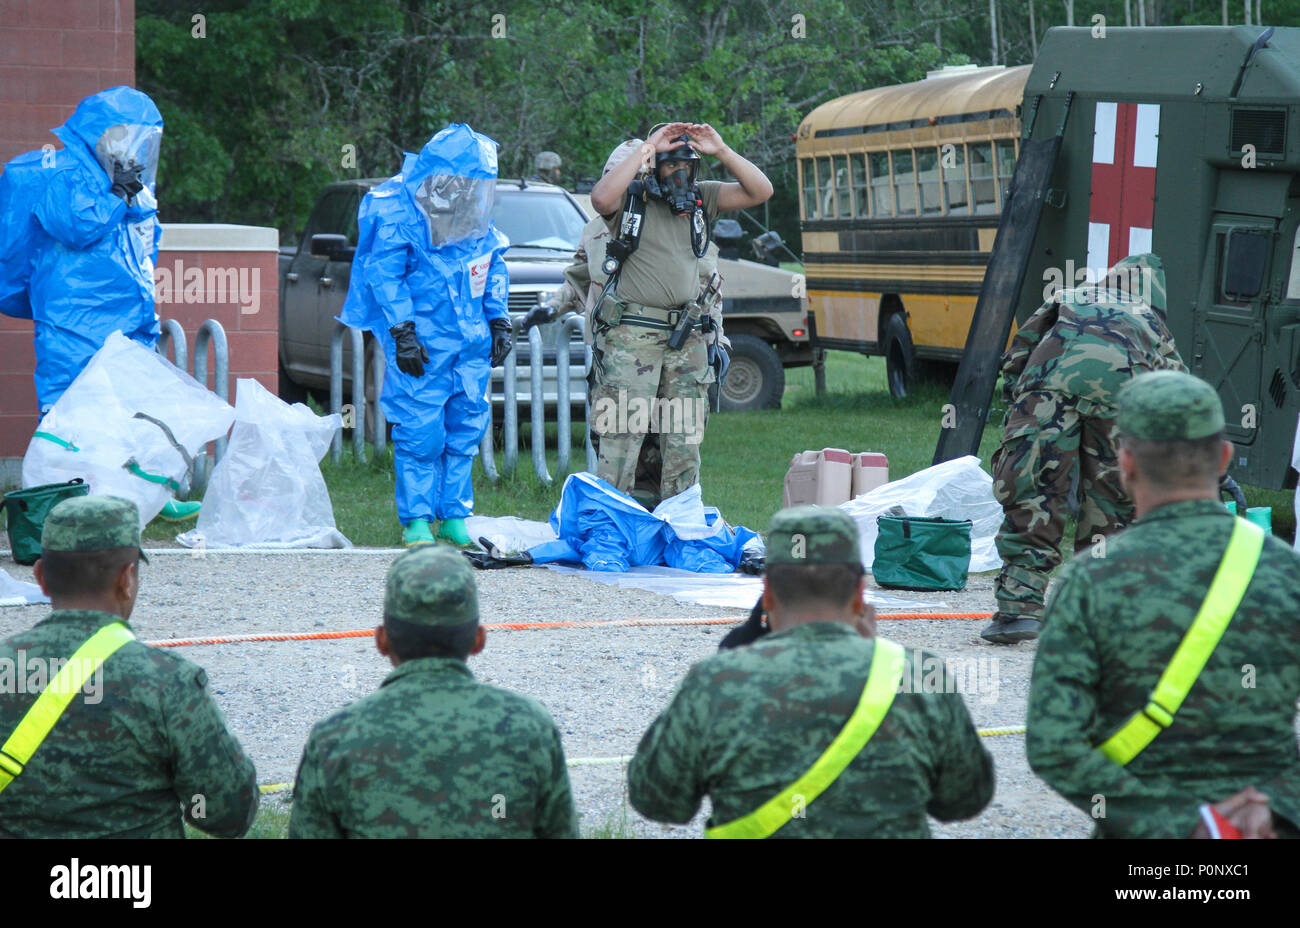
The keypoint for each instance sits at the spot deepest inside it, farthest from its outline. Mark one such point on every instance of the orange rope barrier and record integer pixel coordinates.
(523, 626)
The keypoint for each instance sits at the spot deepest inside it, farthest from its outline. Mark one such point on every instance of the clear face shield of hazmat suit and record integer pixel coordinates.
(429, 280)
(79, 235)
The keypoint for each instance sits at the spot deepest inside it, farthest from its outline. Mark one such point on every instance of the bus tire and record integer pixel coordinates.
(900, 359)
(756, 377)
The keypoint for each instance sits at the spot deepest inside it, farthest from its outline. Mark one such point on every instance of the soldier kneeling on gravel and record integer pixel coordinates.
(433, 753)
(814, 730)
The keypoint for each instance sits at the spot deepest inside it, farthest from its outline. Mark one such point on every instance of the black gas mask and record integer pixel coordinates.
(678, 189)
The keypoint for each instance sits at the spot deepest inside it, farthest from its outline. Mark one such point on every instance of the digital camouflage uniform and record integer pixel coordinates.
(1111, 628)
(1059, 381)
(632, 365)
(137, 751)
(433, 753)
(746, 723)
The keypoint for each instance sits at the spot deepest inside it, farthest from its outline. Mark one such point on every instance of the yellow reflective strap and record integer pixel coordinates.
(877, 696)
(1226, 591)
(54, 699)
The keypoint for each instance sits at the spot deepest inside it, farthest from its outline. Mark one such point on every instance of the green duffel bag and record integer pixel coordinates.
(915, 553)
(26, 511)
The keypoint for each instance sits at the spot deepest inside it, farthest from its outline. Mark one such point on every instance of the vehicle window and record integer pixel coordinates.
(981, 178)
(927, 181)
(904, 183)
(1243, 267)
(335, 214)
(858, 165)
(954, 181)
(1006, 168)
(843, 193)
(825, 189)
(809, 190)
(1293, 282)
(538, 220)
(881, 202)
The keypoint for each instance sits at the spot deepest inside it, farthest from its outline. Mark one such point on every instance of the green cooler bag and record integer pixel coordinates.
(26, 511)
(915, 553)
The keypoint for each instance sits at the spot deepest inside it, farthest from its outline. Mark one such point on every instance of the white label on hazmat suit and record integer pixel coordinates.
(478, 275)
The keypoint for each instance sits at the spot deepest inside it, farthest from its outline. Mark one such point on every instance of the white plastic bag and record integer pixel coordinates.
(93, 432)
(956, 489)
(267, 489)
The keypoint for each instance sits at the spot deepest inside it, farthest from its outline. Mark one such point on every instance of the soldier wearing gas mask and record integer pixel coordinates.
(651, 366)
(429, 280)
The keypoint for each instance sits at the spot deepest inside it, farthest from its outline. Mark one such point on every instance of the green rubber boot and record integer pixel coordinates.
(417, 532)
(453, 530)
(177, 511)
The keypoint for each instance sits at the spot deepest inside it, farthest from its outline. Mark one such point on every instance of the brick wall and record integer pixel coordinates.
(53, 53)
(223, 272)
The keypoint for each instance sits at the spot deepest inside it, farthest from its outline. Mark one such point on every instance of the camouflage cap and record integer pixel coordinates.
(617, 156)
(1168, 406)
(92, 523)
(431, 585)
(813, 535)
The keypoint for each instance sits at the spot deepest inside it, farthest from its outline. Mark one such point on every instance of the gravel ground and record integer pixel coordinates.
(603, 686)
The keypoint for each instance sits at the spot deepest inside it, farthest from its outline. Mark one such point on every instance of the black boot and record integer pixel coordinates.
(1008, 629)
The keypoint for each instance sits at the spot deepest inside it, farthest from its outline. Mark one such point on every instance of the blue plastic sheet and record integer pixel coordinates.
(428, 253)
(608, 531)
(74, 257)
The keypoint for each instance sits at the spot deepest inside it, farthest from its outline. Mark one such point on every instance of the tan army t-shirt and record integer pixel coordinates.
(663, 271)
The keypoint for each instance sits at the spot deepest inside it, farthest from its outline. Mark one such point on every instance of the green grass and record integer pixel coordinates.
(744, 456)
(272, 822)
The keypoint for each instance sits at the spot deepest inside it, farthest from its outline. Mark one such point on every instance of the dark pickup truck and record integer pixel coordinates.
(543, 223)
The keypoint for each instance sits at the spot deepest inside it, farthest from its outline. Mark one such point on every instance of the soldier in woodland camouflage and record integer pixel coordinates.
(433, 753)
(746, 723)
(139, 747)
(1114, 622)
(1059, 382)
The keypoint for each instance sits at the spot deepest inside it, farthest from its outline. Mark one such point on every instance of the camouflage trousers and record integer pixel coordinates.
(648, 410)
(1046, 438)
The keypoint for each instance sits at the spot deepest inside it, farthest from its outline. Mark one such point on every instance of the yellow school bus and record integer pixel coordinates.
(900, 190)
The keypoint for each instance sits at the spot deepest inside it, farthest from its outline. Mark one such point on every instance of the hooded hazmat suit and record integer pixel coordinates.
(75, 257)
(428, 253)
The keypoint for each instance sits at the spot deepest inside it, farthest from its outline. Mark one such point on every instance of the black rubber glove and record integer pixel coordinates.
(494, 559)
(538, 315)
(752, 562)
(126, 181)
(411, 355)
(502, 341)
(752, 629)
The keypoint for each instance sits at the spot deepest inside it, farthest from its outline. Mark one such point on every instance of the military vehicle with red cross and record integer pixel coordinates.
(1184, 142)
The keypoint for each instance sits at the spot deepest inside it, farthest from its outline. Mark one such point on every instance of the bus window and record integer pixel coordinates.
(904, 184)
(1006, 168)
(843, 195)
(954, 181)
(809, 190)
(981, 178)
(927, 181)
(858, 165)
(825, 190)
(881, 201)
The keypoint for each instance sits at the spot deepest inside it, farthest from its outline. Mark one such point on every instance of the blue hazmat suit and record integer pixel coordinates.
(428, 253)
(606, 530)
(76, 258)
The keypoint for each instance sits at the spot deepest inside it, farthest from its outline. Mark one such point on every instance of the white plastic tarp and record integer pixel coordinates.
(267, 489)
(956, 489)
(19, 592)
(94, 432)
